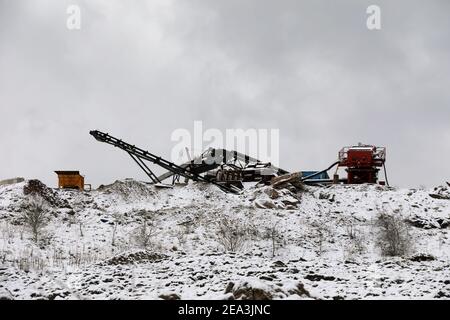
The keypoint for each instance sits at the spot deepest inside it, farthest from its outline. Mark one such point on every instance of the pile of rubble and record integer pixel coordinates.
(37, 188)
(271, 198)
(134, 257)
(428, 222)
(128, 189)
(255, 289)
(290, 181)
(441, 192)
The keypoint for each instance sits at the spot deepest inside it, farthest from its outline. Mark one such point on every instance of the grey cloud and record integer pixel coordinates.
(142, 69)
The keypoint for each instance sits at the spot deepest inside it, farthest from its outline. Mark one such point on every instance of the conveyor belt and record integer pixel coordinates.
(139, 155)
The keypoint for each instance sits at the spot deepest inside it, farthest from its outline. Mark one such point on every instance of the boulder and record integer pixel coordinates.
(248, 291)
(169, 296)
(422, 257)
(286, 179)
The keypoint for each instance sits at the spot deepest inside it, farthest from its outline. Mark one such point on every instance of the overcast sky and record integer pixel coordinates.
(141, 69)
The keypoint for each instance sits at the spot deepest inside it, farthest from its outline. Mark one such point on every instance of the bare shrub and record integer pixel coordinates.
(318, 234)
(393, 237)
(144, 233)
(253, 226)
(355, 244)
(183, 231)
(81, 256)
(8, 232)
(182, 239)
(80, 224)
(351, 230)
(187, 227)
(28, 260)
(75, 220)
(232, 233)
(118, 219)
(35, 216)
(275, 236)
(3, 255)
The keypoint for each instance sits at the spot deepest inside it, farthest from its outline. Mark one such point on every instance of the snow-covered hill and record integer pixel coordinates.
(130, 240)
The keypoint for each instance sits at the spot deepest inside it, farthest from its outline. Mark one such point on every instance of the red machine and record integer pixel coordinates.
(362, 163)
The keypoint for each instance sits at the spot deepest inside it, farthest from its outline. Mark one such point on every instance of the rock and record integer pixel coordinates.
(265, 204)
(279, 264)
(58, 294)
(134, 257)
(300, 290)
(318, 277)
(443, 222)
(272, 193)
(229, 287)
(331, 199)
(255, 289)
(37, 188)
(289, 178)
(5, 295)
(269, 198)
(323, 196)
(442, 294)
(422, 257)
(439, 196)
(441, 193)
(169, 296)
(247, 292)
(268, 278)
(290, 201)
(427, 223)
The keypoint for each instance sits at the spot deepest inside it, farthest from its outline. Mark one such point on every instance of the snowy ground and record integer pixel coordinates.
(318, 244)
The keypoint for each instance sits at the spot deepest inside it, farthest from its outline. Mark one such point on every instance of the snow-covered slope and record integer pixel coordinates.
(318, 244)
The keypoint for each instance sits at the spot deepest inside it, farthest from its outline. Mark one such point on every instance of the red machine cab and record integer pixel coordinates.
(362, 162)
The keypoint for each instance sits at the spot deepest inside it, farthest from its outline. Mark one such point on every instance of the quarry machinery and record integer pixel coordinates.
(140, 156)
(223, 168)
(229, 169)
(361, 162)
(219, 164)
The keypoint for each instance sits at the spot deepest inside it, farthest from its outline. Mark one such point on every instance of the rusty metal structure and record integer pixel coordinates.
(71, 180)
(228, 170)
(223, 168)
(362, 163)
